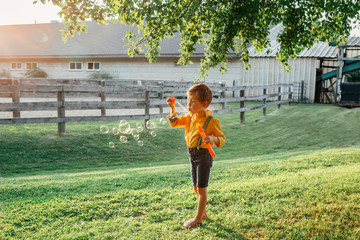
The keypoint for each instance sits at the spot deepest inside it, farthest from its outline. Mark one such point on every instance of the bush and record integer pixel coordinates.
(101, 75)
(354, 76)
(35, 73)
(5, 73)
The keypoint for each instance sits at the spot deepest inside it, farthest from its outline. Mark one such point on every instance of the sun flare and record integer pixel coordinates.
(25, 12)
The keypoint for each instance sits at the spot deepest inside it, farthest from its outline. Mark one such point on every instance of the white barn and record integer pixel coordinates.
(102, 49)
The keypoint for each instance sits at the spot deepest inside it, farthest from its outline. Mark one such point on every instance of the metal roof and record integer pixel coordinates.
(318, 50)
(44, 41)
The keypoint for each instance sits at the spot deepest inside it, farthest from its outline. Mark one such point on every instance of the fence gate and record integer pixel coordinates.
(299, 92)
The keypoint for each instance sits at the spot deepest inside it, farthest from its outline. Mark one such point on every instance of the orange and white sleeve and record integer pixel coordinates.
(217, 131)
(177, 121)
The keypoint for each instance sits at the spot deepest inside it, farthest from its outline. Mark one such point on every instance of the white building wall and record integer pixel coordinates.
(263, 71)
(268, 71)
(166, 69)
(130, 69)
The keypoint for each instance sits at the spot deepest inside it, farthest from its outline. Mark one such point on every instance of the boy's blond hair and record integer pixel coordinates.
(202, 92)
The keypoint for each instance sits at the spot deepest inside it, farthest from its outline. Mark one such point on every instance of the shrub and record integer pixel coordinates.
(36, 73)
(101, 75)
(5, 73)
(353, 76)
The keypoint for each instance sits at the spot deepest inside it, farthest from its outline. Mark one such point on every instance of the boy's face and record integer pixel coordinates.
(194, 105)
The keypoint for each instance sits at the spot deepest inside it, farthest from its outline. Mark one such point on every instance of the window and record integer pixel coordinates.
(75, 66)
(93, 66)
(16, 66)
(31, 65)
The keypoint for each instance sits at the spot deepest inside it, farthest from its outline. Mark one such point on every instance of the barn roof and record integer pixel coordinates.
(105, 41)
(45, 41)
(318, 50)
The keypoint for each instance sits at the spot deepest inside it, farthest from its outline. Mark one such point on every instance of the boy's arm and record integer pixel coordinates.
(171, 102)
(175, 120)
(218, 136)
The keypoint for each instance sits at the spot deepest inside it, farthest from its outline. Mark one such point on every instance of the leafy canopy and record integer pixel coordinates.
(220, 26)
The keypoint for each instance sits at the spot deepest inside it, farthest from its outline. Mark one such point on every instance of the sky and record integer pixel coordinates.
(13, 12)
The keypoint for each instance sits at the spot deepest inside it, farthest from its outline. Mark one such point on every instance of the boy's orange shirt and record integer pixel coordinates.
(192, 134)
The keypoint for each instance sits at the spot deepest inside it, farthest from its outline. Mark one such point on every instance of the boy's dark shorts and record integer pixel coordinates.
(200, 163)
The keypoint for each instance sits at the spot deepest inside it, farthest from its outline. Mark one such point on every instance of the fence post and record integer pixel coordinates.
(161, 96)
(242, 105)
(233, 93)
(264, 102)
(279, 97)
(290, 95)
(223, 96)
(16, 99)
(61, 111)
(147, 107)
(103, 98)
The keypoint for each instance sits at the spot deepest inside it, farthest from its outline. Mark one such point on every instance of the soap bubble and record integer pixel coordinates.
(123, 122)
(134, 131)
(124, 128)
(140, 143)
(150, 124)
(123, 139)
(139, 126)
(153, 133)
(163, 121)
(115, 131)
(104, 129)
(111, 145)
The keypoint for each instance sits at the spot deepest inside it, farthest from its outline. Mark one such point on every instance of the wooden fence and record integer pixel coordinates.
(140, 95)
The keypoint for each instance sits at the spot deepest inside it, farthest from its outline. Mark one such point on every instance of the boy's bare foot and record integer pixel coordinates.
(191, 223)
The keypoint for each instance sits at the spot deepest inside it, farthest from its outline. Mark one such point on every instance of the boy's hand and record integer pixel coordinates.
(171, 102)
(211, 139)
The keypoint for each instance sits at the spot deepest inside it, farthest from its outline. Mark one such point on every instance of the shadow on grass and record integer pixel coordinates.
(221, 231)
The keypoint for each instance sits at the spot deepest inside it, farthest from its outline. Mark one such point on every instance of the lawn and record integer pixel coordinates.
(292, 174)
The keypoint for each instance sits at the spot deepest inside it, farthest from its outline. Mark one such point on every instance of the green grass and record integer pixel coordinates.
(293, 174)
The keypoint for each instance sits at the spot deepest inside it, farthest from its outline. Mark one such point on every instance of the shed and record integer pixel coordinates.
(306, 69)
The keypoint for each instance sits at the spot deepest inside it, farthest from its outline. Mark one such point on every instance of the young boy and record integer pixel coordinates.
(199, 98)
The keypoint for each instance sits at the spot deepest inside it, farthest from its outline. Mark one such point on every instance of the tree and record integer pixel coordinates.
(220, 25)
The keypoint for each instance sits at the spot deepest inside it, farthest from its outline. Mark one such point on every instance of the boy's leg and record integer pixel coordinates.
(201, 209)
(202, 199)
(197, 197)
(201, 163)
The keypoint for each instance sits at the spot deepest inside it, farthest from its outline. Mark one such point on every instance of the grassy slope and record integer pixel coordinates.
(30, 149)
(292, 174)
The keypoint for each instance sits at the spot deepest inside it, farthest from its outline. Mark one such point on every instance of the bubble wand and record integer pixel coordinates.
(202, 133)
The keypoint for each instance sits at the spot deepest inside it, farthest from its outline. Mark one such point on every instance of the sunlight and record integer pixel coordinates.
(25, 12)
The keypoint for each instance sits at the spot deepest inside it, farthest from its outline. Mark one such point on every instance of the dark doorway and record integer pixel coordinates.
(318, 85)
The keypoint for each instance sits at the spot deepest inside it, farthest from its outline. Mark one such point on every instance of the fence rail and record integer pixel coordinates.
(135, 94)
